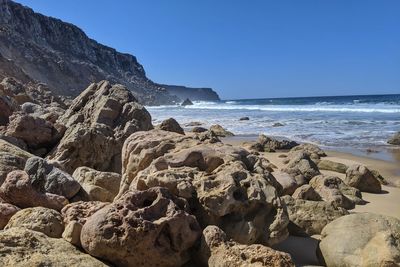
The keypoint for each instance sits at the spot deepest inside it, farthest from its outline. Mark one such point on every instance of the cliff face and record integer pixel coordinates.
(195, 94)
(60, 54)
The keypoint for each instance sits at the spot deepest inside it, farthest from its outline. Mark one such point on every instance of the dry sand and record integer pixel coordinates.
(302, 249)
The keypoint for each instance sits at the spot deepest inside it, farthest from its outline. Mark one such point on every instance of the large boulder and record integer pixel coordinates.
(142, 228)
(333, 190)
(301, 167)
(395, 139)
(47, 178)
(218, 130)
(216, 250)
(6, 212)
(362, 178)
(288, 183)
(226, 186)
(332, 166)
(269, 144)
(22, 247)
(44, 220)
(361, 239)
(17, 189)
(313, 151)
(310, 217)
(96, 185)
(171, 125)
(306, 192)
(98, 122)
(11, 158)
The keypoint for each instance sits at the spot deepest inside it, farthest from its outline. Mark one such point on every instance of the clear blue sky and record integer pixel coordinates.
(250, 49)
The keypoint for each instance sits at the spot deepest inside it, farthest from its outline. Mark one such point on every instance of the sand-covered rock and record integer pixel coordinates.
(218, 251)
(17, 189)
(6, 212)
(219, 131)
(362, 178)
(301, 167)
(269, 144)
(361, 239)
(98, 122)
(142, 228)
(48, 178)
(44, 220)
(310, 217)
(332, 166)
(333, 190)
(21, 247)
(171, 125)
(96, 185)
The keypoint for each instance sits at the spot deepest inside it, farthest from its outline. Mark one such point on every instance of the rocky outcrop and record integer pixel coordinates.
(23, 247)
(301, 167)
(306, 192)
(142, 228)
(98, 121)
(362, 178)
(288, 183)
(187, 102)
(171, 125)
(310, 217)
(268, 144)
(6, 212)
(361, 239)
(96, 185)
(332, 166)
(46, 221)
(313, 151)
(219, 131)
(216, 250)
(17, 189)
(196, 94)
(395, 139)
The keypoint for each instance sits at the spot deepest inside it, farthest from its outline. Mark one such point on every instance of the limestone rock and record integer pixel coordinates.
(96, 185)
(80, 211)
(47, 178)
(301, 167)
(306, 192)
(310, 217)
(72, 233)
(23, 247)
(99, 120)
(218, 130)
(361, 239)
(268, 144)
(142, 228)
(171, 125)
(395, 139)
(362, 178)
(17, 189)
(313, 151)
(44, 220)
(218, 251)
(288, 183)
(6, 212)
(333, 190)
(332, 166)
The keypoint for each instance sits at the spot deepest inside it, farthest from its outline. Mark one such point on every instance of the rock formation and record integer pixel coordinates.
(196, 94)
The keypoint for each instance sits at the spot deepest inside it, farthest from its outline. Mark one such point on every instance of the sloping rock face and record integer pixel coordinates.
(98, 121)
(361, 239)
(23, 247)
(225, 186)
(62, 56)
(142, 228)
(218, 251)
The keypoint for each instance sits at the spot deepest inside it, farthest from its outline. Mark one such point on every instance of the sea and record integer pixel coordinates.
(339, 122)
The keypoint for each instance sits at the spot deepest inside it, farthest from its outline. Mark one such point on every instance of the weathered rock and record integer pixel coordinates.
(17, 189)
(44, 220)
(361, 239)
(362, 178)
(23, 247)
(268, 144)
(99, 120)
(72, 233)
(380, 178)
(217, 251)
(333, 190)
(199, 129)
(11, 158)
(14, 141)
(6, 109)
(288, 183)
(47, 178)
(34, 131)
(395, 139)
(96, 185)
(306, 192)
(332, 166)
(218, 130)
(171, 125)
(313, 151)
(6, 212)
(310, 217)
(301, 167)
(151, 223)
(187, 102)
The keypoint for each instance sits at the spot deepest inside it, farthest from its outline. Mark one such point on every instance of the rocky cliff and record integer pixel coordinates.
(196, 94)
(34, 47)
